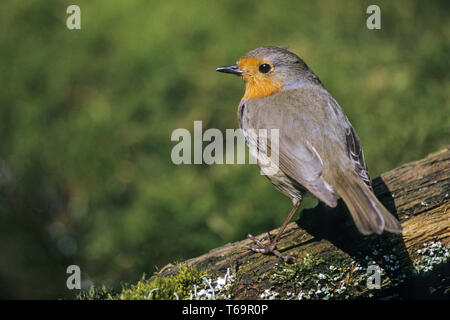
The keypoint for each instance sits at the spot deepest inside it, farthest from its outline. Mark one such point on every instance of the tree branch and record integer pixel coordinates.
(332, 258)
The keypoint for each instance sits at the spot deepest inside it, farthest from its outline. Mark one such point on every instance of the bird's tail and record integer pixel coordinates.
(369, 214)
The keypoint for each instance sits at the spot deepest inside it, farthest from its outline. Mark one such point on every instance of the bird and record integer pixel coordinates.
(316, 149)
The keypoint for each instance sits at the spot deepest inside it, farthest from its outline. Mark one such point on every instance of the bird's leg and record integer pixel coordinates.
(272, 246)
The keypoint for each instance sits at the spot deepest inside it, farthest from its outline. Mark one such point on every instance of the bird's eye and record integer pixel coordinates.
(264, 68)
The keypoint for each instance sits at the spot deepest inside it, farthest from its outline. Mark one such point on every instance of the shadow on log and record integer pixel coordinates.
(333, 259)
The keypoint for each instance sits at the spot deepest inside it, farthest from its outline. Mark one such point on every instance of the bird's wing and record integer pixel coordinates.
(356, 155)
(301, 162)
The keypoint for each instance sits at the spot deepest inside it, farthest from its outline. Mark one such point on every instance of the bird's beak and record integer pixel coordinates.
(234, 69)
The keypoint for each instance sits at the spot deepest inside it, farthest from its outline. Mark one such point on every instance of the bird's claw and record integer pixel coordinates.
(270, 248)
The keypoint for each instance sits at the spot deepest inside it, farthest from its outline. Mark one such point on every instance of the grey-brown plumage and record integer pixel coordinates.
(319, 151)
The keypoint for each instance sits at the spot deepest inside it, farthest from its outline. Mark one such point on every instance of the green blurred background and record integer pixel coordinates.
(86, 118)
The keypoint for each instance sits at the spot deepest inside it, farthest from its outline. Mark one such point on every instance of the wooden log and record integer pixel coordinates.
(334, 261)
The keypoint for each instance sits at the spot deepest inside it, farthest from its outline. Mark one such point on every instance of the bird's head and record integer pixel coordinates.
(268, 70)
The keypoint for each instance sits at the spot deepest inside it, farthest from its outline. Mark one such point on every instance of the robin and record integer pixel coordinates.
(319, 153)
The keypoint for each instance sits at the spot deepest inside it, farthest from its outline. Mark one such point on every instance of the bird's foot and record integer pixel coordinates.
(270, 248)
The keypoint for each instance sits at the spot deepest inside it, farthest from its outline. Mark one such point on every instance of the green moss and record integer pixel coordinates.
(188, 283)
(327, 277)
(98, 293)
(312, 278)
(166, 288)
